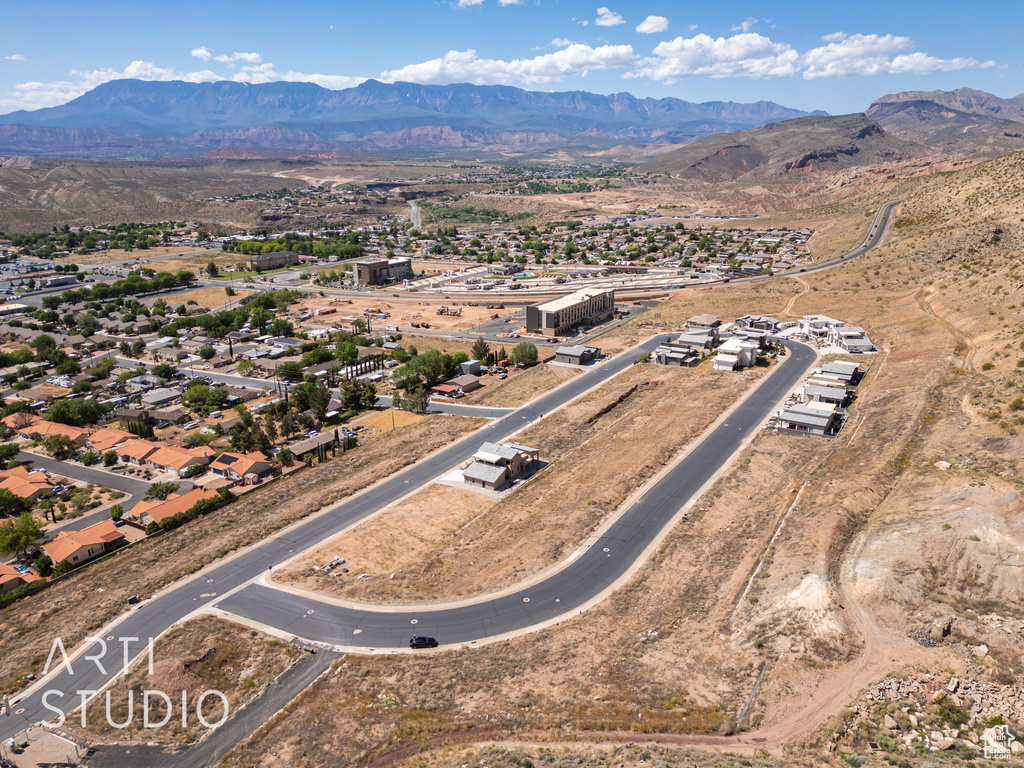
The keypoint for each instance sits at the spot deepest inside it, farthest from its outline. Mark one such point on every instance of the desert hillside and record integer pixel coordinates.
(885, 561)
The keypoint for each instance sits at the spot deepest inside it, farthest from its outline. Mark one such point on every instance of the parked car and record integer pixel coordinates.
(312, 433)
(422, 642)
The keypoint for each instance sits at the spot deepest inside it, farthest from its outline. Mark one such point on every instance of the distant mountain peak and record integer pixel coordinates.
(185, 117)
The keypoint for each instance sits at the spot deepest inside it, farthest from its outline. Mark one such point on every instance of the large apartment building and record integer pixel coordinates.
(557, 317)
(381, 271)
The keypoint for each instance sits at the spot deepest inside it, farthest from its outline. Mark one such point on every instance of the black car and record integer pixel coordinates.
(423, 642)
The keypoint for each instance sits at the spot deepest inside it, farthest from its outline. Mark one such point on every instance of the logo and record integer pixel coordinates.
(84, 696)
(998, 741)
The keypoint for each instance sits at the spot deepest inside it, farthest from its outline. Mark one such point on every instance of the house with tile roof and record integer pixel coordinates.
(107, 439)
(136, 451)
(16, 421)
(11, 578)
(43, 429)
(250, 467)
(177, 460)
(78, 547)
(158, 510)
(30, 486)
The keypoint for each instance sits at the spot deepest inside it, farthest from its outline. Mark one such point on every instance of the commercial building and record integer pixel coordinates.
(272, 260)
(381, 271)
(557, 317)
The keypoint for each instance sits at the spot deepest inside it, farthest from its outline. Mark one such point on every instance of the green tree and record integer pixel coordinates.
(116, 512)
(319, 398)
(259, 319)
(18, 536)
(43, 565)
(89, 458)
(207, 353)
(59, 446)
(270, 428)
(281, 327)
(211, 269)
(524, 353)
(245, 367)
(109, 458)
(481, 349)
(165, 371)
(160, 491)
(11, 505)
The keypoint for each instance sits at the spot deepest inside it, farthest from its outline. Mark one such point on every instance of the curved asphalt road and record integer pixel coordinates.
(585, 576)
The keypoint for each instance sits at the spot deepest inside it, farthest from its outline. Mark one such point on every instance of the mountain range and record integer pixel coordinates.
(135, 117)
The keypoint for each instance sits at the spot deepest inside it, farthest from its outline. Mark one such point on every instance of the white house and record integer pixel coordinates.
(735, 353)
(818, 325)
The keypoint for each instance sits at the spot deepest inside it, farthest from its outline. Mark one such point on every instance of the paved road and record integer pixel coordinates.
(242, 724)
(130, 485)
(585, 577)
(153, 616)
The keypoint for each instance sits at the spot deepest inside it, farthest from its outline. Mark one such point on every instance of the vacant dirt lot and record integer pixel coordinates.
(622, 434)
(402, 311)
(88, 599)
(386, 420)
(210, 298)
(200, 655)
(520, 386)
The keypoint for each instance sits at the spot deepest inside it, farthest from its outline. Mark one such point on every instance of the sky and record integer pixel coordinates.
(805, 54)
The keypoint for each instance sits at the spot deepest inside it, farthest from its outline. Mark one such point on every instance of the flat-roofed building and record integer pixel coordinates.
(381, 271)
(272, 260)
(579, 354)
(678, 355)
(806, 420)
(557, 317)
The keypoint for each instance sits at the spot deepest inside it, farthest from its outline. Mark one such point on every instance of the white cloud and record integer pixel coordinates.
(561, 42)
(466, 67)
(745, 55)
(16, 57)
(835, 37)
(252, 58)
(864, 55)
(744, 25)
(468, 3)
(608, 18)
(202, 52)
(510, 2)
(652, 25)
(255, 74)
(692, 27)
